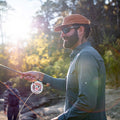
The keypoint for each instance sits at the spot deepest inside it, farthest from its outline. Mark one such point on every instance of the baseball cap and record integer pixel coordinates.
(73, 19)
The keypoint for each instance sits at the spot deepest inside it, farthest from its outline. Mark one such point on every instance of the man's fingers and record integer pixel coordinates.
(28, 76)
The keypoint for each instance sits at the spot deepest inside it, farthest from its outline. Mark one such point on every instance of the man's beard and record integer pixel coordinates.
(69, 42)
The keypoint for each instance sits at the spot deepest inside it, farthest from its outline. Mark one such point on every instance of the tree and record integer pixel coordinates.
(104, 19)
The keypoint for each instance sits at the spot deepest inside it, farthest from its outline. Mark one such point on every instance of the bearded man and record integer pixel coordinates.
(85, 81)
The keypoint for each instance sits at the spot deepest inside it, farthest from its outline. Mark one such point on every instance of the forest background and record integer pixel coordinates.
(44, 52)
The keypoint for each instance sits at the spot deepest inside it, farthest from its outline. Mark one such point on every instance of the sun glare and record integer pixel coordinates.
(16, 28)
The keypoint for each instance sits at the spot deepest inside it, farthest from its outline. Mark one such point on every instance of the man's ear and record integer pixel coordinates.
(81, 30)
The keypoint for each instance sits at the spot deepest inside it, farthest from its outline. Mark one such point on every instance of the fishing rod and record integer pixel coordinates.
(33, 91)
(36, 87)
(8, 68)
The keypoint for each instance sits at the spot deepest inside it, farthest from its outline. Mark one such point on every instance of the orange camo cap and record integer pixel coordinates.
(73, 19)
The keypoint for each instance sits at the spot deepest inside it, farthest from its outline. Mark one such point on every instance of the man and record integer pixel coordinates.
(85, 81)
(11, 100)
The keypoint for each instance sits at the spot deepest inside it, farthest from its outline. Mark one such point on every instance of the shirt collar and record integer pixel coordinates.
(78, 49)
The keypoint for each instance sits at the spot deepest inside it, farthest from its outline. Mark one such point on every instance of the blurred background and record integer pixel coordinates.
(28, 41)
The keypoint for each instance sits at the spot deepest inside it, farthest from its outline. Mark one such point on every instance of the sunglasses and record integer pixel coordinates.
(67, 29)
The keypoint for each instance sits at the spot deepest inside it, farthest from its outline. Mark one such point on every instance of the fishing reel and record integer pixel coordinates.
(37, 87)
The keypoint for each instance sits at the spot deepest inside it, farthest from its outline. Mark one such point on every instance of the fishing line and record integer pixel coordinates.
(24, 103)
(36, 88)
(29, 107)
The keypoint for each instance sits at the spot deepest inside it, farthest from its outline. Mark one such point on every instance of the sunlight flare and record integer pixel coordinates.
(17, 28)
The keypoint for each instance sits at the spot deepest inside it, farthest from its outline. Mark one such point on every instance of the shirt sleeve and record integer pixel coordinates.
(5, 96)
(87, 75)
(56, 83)
(18, 94)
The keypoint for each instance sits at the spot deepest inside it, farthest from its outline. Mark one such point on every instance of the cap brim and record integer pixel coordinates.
(59, 28)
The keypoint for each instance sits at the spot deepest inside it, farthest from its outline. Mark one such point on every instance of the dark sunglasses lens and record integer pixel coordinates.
(66, 30)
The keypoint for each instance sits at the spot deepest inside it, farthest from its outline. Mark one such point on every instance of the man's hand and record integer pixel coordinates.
(56, 118)
(31, 75)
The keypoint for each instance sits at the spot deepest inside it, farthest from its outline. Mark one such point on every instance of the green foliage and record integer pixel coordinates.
(43, 56)
(112, 61)
(3, 60)
(58, 69)
(22, 85)
(44, 52)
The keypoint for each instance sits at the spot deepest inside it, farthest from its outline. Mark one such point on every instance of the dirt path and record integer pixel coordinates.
(2, 116)
(46, 112)
(112, 106)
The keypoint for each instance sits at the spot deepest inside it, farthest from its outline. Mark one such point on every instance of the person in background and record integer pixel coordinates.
(85, 81)
(11, 101)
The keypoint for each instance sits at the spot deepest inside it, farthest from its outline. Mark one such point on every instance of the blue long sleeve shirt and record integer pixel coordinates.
(84, 85)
